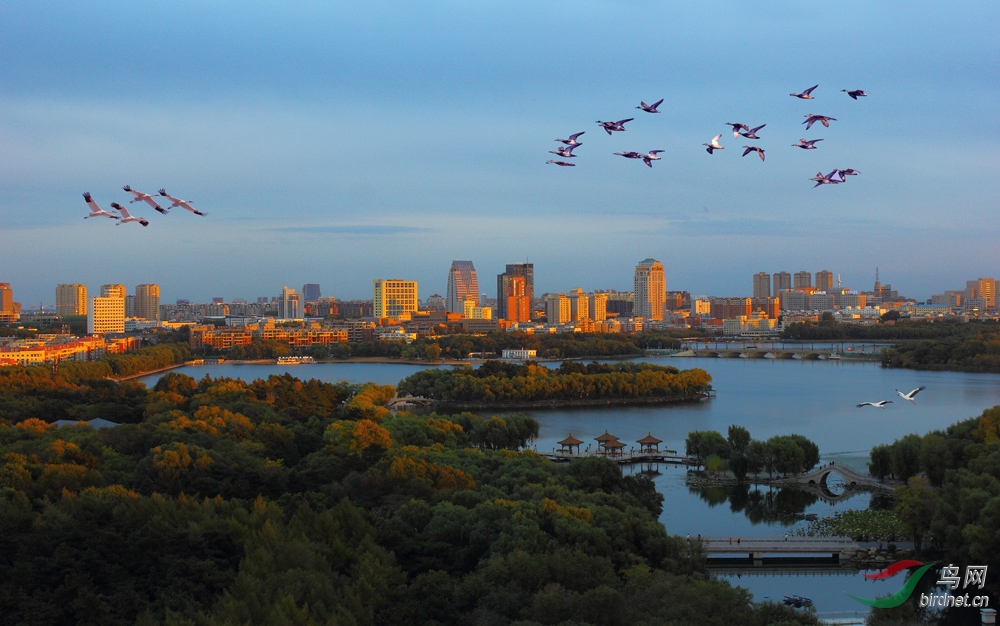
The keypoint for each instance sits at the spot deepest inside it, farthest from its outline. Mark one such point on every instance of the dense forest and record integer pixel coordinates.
(504, 382)
(283, 501)
(743, 455)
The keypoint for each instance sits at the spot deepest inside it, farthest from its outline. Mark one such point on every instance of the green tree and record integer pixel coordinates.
(915, 505)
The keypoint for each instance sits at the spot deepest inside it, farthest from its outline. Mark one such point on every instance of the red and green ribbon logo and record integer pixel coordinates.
(903, 594)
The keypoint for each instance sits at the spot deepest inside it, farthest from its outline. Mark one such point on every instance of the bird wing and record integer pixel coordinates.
(753, 130)
(620, 122)
(760, 152)
(575, 135)
(93, 205)
(747, 151)
(656, 151)
(148, 199)
(809, 91)
(867, 404)
(916, 391)
(184, 205)
(175, 201)
(647, 161)
(121, 210)
(657, 103)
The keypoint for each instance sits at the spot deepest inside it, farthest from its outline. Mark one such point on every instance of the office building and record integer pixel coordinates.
(525, 271)
(650, 290)
(106, 314)
(516, 305)
(824, 281)
(147, 302)
(557, 308)
(462, 285)
(290, 305)
(803, 280)
(782, 280)
(761, 285)
(8, 313)
(114, 290)
(311, 293)
(71, 299)
(395, 299)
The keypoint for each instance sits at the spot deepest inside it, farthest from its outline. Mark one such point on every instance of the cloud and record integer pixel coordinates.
(376, 230)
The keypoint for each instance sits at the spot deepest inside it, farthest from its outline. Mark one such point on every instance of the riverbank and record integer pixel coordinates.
(566, 404)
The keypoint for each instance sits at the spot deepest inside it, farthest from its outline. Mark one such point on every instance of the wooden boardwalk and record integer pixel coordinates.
(758, 548)
(668, 456)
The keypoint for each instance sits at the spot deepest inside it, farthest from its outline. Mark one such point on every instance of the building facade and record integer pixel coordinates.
(761, 285)
(147, 302)
(311, 292)
(557, 308)
(803, 280)
(71, 299)
(516, 304)
(782, 280)
(824, 280)
(395, 299)
(462, 285)
(650, 290)
(106, 314)
(525, 271)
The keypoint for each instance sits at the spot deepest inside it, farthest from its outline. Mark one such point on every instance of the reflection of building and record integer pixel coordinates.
(147, 302)
(71, 299)
(462, 285)
(761, 285)
(395, 299)
(650, 290)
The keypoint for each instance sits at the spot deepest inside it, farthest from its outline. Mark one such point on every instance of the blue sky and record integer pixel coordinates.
(336, 143)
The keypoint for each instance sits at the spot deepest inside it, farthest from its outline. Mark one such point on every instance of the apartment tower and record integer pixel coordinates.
(106, 313)
(515, 304)
(782, 280)
(395, 299)
(803, 280)
(650, 290)
(71, 299)
(761, 285)
(462, 285)
(824, 281)
(147, 302)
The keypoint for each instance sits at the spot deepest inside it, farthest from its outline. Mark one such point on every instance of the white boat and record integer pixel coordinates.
(294, 360)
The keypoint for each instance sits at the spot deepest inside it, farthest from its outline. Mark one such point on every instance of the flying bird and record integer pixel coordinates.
(565, 151)
(855, 93)
(749, 149)
(823, 119)
(96, 211)
(629, 155)
(649, 157)
(832, 178)
(714, 145)
(805, 94)
(618, 126)
(126, 217)
(880, 404)
(848, 172)
(184, 204)
(911, 395)
(737, 127)
(572, 140)
(806, 145)
(752, 133)
(144, 197)
(650, 108)
(562, 163)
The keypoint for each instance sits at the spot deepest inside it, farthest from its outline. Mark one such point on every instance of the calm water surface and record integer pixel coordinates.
(816, 399)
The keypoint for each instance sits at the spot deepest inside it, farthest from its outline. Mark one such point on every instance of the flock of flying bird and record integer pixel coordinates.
(125, 217)
(739, 130)
(906, 396)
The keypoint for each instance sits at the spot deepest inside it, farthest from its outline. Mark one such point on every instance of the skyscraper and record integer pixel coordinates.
(6, 298)
(516, 306)
(557, 308)
(824, 281)
(147, 302)
(524, 270)
(598, 306)
(650, 290)
(395, 299)
(71, 299)
(803, 280)
(579, 305)
(310, 292)
(106, 313)
(462, 285)
(782, 280)
(290, 304)
(761, 285)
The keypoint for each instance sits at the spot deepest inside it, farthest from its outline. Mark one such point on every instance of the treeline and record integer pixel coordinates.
(283, 501)
(459, 346)
(952, 493)
(742, 455)
(901, 329)
(500, 382)
(975, 349)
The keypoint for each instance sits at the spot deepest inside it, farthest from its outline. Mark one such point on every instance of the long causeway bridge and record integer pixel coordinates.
(757, 549)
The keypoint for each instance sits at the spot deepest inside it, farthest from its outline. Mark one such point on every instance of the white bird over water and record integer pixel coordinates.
(880, 404)
(184, 204)
(126, 217)
(96, 211)
(715, 145)
(144, 197)
(911, 395)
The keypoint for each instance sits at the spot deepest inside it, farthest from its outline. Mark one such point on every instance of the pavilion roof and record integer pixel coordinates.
(649, 439)
(570, 441)
(614, 444)
(606, 437)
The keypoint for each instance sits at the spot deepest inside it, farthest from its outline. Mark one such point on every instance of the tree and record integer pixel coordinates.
(739, 438)
(915, 505)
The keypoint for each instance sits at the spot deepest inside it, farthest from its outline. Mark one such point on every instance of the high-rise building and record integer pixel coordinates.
(395, 299)
(824, 281)
(436, 302)
(803, 279)
(290, 305)
(129, 306)
(598, 306)
(147, 302)
(462, 285)
(782, 280)
(6, 301)
(71, 299)
(557, 308)
(579, 308)
(525, 271)
(986, 288)
(761, 285)
(106, 313)
(650, 290)
(516, 305)
(310, 292)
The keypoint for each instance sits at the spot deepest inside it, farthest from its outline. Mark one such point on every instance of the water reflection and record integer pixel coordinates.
(760, 504)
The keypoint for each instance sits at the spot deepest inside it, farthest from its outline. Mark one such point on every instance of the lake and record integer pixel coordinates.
(817, 399)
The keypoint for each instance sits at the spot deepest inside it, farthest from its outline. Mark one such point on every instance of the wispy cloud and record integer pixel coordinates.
(375, 230)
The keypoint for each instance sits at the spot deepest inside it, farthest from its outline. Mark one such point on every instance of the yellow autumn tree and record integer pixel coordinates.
(34, 426)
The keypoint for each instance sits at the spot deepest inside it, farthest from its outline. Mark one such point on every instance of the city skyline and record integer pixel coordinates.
(321, 158)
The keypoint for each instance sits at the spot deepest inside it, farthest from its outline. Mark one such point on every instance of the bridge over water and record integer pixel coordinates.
(756, 549)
